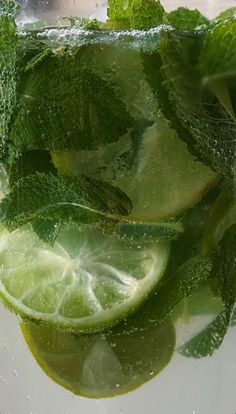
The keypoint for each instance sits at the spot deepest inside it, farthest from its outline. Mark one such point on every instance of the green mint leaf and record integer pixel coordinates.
(63, 105)
(205, 120)
(185, 19)
(226, 14)
(29, 163)
(9, 8)
(83, 23)
(203, 302)
(222, 216)
(47, 230)
(156, 77)
(217, 63)
(45, 196)
(208, 340)
(7, 75)
(140, 232)
(134, 14)
(187, 280)
(233, 317)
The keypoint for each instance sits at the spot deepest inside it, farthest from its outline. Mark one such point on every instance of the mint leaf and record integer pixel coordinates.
(134, 14)
(187, 280)
(140, 232)
(217, 62)
(218, 54)
(233, 318)
(9, 8)
(83, 23)
(208, 340)
(7, 74)
(29, 163)
(203, 302)
(64, 105)
(231, 12)
(205, 124)
(45, 196)
(47, 230)
(185, 19)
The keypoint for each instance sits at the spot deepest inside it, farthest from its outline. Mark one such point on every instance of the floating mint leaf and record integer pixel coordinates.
(134, 14)
(208, 340)
(185, 19)
(45, 196)
(226, 14)
(64, 105)
(83, 22)
(205, 124)
(217, 62)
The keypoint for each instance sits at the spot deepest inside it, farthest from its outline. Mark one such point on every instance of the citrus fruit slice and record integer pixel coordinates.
(85, 281)
(160, 176)
(100, 365)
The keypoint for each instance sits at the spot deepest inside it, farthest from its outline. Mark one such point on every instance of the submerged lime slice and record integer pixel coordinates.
(100, 365)
(159, 175)
(85, 281)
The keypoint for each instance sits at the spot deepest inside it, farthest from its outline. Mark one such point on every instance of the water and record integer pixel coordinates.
(107, 191)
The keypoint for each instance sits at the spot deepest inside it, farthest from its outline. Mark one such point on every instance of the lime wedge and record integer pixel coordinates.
(100, 365)
(87, 280)
(160, 176)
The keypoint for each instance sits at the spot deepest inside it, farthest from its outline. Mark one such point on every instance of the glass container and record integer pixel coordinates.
(118, 212)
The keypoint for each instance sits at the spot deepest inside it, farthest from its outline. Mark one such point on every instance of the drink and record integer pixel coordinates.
(118, 209)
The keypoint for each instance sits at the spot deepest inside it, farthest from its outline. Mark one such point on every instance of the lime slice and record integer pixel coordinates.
(160, 176)
(83, 282)
(100, 365)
